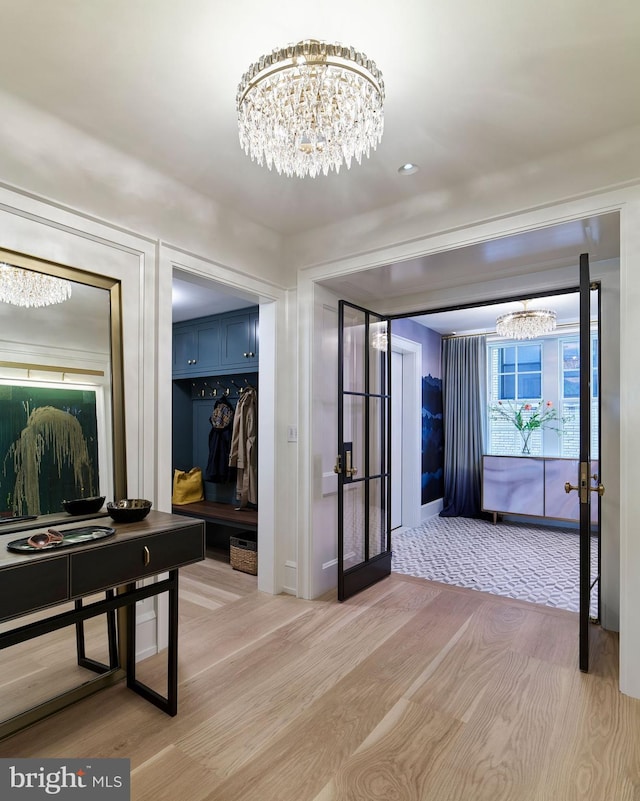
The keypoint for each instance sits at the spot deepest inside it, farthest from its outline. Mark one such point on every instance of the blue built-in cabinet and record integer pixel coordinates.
(216, 345)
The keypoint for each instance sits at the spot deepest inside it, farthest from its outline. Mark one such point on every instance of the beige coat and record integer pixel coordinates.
(244, 447)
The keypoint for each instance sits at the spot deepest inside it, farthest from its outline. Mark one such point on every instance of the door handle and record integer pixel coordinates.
(349, 470)
(583, 488)
(337, 467)
(599, 488)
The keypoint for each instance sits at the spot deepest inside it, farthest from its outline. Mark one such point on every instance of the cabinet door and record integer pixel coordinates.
(238, 341)
(208, 347)
(184, 350)
(254, 319)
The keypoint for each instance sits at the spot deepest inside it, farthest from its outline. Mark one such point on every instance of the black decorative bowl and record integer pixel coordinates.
(84, 506)
(129, 510)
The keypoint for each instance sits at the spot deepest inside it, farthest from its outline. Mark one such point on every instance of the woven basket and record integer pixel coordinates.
(244, 555)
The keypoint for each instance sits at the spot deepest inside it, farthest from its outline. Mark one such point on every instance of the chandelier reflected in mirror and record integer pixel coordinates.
(526, 324)
(307, 108)
(30, 289)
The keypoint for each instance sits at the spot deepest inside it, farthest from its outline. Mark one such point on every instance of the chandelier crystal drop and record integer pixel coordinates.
(526, 324)
(307, 108)
(31, 289)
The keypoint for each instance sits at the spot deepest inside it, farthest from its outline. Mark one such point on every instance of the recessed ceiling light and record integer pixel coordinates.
(408, 168)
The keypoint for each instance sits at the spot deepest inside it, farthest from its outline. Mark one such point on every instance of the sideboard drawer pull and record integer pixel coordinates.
(147, 555)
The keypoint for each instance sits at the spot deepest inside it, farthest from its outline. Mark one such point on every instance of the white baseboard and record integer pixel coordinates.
(431, 509)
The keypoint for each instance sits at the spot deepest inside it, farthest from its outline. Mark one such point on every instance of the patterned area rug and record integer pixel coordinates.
(532, 563)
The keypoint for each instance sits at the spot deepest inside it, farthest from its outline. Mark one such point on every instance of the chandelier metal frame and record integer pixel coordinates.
(310, 107)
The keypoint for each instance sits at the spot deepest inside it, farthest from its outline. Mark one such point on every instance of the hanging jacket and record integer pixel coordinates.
(244, 447)
(218, 470)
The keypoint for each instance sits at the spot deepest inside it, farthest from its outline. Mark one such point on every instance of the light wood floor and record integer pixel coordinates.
(411, 690)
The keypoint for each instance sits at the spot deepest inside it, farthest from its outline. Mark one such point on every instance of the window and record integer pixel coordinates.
(519, 372)
(515, 375)
(570, 395)
(529, 372)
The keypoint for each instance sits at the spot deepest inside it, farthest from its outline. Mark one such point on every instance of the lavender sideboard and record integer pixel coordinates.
(532, 486)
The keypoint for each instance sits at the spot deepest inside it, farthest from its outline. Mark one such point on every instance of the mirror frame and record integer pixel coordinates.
(112, 285)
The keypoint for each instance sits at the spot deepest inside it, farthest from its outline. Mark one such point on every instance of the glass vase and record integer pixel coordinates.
(526, 436)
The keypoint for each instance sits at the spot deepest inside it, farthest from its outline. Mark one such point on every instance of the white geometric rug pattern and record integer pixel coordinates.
(532, 563)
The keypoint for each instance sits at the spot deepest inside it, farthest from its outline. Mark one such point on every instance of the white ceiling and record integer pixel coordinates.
(513, 258)
(482, 319)
(194, 296)
(472, 89)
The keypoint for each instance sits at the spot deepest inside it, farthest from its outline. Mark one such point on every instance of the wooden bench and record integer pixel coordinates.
(223, 513)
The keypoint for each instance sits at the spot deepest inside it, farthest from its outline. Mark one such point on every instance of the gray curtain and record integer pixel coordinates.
(464, 400)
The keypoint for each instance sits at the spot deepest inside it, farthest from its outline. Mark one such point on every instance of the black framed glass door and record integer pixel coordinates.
(363, 464)
(588, 482)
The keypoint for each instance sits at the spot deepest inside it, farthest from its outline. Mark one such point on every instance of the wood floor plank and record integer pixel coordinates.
(394, 762)
(163, 776)
(344, 715)
(501, 751)
(595, 747)
(410, 690)
(465, 671)
(234, 734)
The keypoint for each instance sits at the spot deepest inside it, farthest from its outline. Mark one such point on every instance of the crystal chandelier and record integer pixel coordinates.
(29, 289)
(307, 108)
(526, 324)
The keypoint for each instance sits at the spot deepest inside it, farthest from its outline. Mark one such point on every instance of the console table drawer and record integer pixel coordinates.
(127, 561)
(33, 586)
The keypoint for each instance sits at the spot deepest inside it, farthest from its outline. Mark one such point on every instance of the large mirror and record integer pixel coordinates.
(61, 389)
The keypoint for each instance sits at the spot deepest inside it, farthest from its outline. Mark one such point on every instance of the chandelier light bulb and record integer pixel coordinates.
(308, 108)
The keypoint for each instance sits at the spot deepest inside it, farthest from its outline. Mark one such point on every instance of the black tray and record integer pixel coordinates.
(71, 536)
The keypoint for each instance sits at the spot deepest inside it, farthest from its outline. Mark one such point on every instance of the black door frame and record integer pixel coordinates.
(373, 568)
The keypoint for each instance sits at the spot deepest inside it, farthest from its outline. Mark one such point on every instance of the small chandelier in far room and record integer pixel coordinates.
(307, 108)
(30, 289)
(526, 324)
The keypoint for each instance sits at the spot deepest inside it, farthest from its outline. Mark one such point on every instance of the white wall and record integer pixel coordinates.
(324, 437)
(45, 156)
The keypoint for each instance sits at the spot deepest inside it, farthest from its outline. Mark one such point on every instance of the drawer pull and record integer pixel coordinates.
(147, 555)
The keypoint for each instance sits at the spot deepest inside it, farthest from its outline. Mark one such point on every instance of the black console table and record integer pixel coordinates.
(161, 543)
